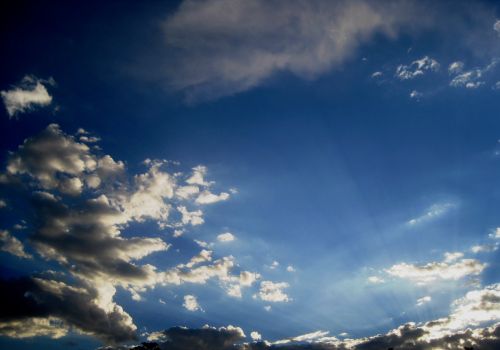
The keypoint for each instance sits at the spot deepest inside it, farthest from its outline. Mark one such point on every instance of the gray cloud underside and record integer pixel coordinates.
(28, 298)
(404, 338)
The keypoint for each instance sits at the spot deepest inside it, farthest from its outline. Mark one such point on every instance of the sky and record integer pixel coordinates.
(247, 175)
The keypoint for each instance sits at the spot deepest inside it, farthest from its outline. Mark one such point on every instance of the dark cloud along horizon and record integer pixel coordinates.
(407, 337)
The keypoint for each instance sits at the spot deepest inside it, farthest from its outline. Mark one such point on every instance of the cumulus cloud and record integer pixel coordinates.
(273, 291)
(256, 336)
(474, 78)
(191, 217)
(27, 95)
(452, 268)
(12, 245)
(191, 303)
(222, 52)
(225, 237)
(417, 68)
(82, 202)
(456, 67)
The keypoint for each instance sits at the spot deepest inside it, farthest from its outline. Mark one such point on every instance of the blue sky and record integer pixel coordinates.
(283, 167)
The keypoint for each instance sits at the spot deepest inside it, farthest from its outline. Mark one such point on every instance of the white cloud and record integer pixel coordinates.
(191, 217)
(273, 291)
(191, 303)
(456, 67)
(226, 237)
(3, 204)
(434, 211)
(375, 280)
(198, 176)
(185, 192)
(274, 265)
(28, 94)
(434, 271)
(417, 68)
(496, 27)
(207, 197)
(178, 233)
(484, 248)
(377, 75)
(267, 308)
(12, 245)
(290, 268)
(247, 278)
(256, 336)
(416, 95)
(450, 257)
(496, 234)
(424, 300)
(225, 47)
(474, 78)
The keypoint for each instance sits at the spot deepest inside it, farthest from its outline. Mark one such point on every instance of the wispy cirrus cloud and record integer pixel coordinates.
(224, 47)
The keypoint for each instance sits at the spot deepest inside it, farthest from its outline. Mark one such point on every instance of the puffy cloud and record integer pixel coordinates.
(417, 68)
(53, 159)
(83, 233)
(225, 237)
(203, 256)
(12, 245)
(377, 75)
(207, 197)
(247, 278)
(273, 291)
(256, 336)
(290, 268)
(28, 94)
(445, 270)
(191, 217)
(423, 300)
(186, 192)
(456, 67)
(474, 78)
(46, 307)
(3, 204)
(191, 303)
(198, 176)
(222, 52)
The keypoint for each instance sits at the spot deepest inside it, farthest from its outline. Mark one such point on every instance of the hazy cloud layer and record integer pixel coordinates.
(223, 47)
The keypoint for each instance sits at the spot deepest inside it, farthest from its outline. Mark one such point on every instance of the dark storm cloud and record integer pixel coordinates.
(26, 300)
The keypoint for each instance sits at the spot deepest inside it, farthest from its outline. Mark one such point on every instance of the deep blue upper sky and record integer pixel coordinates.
(339, 174)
